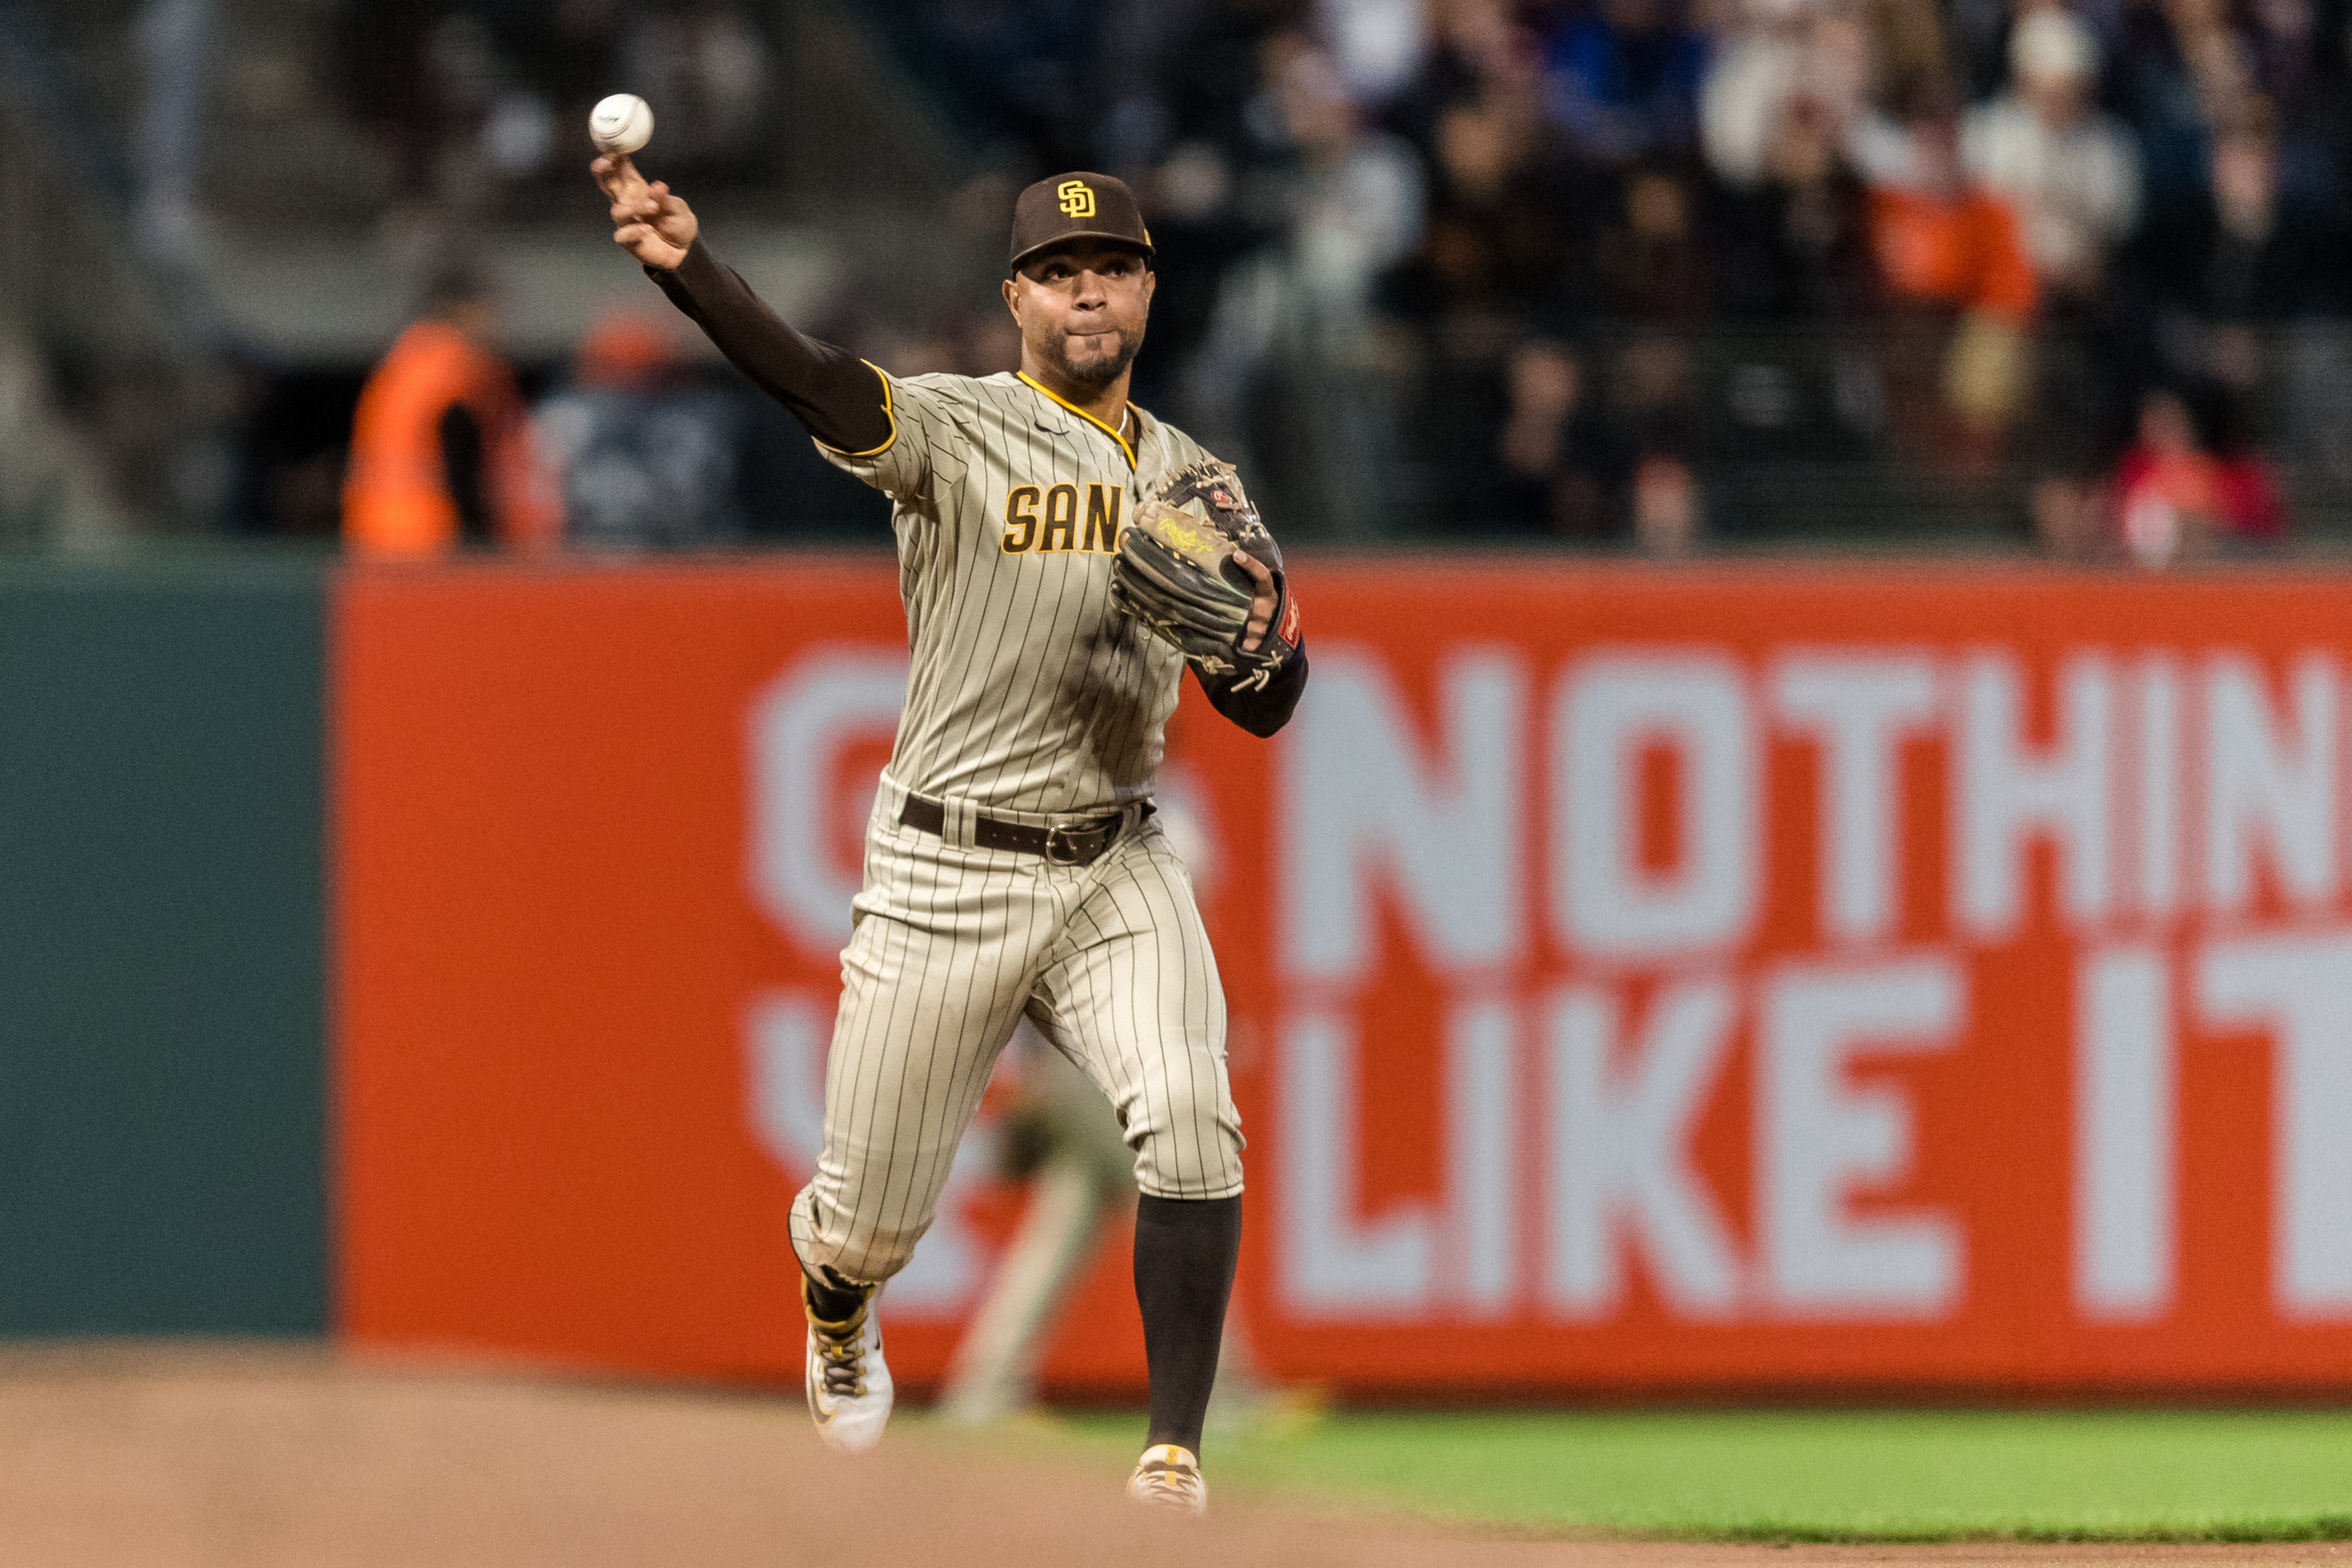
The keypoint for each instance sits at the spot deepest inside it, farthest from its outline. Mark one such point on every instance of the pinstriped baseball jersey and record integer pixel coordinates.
(1029, 692)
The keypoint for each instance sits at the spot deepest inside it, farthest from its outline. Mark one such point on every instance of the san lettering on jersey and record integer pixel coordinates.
(1043, 519)
(1030, 690)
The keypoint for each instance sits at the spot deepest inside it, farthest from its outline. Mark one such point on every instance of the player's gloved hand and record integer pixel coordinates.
(1176, 573)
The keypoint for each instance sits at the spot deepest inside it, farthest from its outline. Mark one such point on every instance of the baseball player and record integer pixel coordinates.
(1063, 556)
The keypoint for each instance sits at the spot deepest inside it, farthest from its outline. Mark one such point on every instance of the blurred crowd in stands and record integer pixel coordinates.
(1594, 270)
(467, 98)
(1571, 258)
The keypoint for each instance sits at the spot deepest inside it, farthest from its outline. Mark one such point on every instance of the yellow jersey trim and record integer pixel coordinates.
(1082, 413)
(888, 412)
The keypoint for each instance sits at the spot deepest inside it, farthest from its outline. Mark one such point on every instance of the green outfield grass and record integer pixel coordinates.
(1813, 1475)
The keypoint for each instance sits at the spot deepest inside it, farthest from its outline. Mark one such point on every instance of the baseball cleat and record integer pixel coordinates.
(1169, 1477)
(848, 1384)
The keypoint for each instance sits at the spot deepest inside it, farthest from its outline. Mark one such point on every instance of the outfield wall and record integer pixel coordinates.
(1919, 980)
(1888, 979)
(160, 966)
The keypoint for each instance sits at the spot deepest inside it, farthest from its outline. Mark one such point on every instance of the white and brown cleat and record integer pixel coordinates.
(848, 1384)
(1169, 1476)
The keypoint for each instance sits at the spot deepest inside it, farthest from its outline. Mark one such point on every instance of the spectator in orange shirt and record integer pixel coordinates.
(1950, 251)
(441, 447)
(1940, 238)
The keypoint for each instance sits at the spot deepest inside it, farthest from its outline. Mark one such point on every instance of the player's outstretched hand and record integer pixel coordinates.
(649, 223)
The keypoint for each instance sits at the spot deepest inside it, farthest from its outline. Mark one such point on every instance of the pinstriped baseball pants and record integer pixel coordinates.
(952, 946)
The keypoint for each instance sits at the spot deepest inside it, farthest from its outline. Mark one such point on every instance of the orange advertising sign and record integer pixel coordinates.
(1664, 981)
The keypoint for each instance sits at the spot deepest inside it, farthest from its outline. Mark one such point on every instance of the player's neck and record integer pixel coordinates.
(1107, 403)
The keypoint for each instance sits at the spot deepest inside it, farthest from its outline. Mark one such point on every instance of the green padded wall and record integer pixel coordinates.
(161, 966)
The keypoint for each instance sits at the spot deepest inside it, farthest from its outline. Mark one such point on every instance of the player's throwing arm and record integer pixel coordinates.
(1064, 556)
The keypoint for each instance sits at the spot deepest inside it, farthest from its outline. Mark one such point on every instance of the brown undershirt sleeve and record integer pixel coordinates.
(1261, 710)
(838, 397)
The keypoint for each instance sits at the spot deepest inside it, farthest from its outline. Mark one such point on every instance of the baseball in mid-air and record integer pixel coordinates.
(621, 123)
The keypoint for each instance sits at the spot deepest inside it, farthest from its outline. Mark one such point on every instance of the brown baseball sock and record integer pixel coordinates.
(834, 1299)
(1185, 1249)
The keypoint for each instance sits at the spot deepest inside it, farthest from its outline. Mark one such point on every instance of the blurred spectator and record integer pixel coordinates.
(2067, 169)
(1378, 46)
(2258, 257)
(2235, 260)
(1480, 52)
(1668, 517)
(1796, 242)
(2070, 173)
(1651, 412)
(1939, 239)
(1775, 54)
(1507, 216)
(645, 458)
(2066, 515)
(441, 448)
(2174, 499)
(1360, 199)
(1950, 257)
(1909, 59)
(1651, 263)
(2253, 511)
(2186, 68)
(1552, 448)
(1624, 80)
(1301, 309)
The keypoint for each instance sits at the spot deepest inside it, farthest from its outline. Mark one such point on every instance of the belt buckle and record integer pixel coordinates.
(1062, 845)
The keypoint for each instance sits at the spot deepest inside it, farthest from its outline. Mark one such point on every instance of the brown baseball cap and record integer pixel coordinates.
(1077, 206)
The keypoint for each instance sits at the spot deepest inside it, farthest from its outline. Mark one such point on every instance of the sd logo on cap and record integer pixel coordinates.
(1079, 205)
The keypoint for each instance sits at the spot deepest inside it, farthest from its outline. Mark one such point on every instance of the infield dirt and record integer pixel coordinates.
(148, 1456)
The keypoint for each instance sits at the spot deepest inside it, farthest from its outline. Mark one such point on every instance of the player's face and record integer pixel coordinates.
(1082, 307)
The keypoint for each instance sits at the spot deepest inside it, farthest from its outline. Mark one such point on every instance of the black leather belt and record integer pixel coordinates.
(1079, 845)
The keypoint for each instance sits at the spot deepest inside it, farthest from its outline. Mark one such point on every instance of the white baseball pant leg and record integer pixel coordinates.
(952, 944)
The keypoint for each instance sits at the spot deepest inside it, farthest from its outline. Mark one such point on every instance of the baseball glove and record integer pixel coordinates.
(1175, 572)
